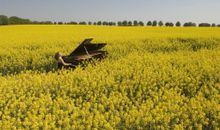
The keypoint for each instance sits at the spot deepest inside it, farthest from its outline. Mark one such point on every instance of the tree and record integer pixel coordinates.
(204, 25)
(169, 24)
(149, 23)
(72, 22)
(17, 20)
(129, 23)
(82, 23)
(189, 24)
(89, 23)
(160, 23)
(60, 23)
(154, 23)
(125, 23)
(3, 20)
(135, 23)
(119, 23)
(104, 23)
(111, 24)
(178, 24)
(213, 25)
(36, 22)
(141, 23)
(99, 23)
(47, 22)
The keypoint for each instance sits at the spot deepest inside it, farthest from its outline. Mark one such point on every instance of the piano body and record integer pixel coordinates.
(85, 52)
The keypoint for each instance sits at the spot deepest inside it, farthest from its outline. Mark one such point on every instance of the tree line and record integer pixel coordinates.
(4, 20)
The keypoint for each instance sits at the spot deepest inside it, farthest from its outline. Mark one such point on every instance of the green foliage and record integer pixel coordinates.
(125, 23)
(178, 24)
(141, 23)
(149, 23)
(160, 23)
(154, 23)
(3, 20)
(189, 24)
(130, 23)
(169, 24)
(17, 20)
(204, 25)
(135, 23)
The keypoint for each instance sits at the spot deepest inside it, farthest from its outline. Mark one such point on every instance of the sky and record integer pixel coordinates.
(114, 10)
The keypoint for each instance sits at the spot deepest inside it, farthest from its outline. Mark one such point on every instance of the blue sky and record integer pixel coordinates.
(114, 10)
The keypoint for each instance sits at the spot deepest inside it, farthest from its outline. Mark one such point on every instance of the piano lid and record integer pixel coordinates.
(86, 45)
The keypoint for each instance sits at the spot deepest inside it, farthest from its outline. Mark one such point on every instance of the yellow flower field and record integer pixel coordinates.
(153, 78)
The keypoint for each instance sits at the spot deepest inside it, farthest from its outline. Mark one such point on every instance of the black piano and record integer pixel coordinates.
(86, 51)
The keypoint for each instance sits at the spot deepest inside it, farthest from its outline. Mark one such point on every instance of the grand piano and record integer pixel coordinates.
(86, 51)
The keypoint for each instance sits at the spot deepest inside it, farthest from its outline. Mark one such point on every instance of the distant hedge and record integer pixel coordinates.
(4, 20)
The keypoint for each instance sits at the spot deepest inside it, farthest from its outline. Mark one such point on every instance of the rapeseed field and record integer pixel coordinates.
(153, 78)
